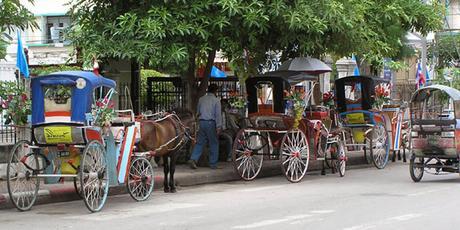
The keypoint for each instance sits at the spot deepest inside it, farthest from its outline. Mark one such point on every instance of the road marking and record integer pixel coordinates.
(322, 211)
(361, 227)
(144, 210)
(256, 189)
(405, 217)
(389, 220)
(272, 222)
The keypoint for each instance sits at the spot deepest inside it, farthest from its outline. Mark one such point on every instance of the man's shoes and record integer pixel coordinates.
(192, 164)
(229, 159)
(215, 167)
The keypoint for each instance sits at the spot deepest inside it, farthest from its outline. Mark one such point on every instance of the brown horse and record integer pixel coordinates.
(164, 136)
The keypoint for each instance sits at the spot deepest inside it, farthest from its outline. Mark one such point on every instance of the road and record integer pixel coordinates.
(365, 198)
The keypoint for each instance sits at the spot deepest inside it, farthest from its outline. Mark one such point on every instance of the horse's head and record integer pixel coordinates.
(188, 119)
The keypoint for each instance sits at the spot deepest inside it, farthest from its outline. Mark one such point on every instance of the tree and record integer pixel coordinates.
(446, 49)
(12, 15)
(177, 35)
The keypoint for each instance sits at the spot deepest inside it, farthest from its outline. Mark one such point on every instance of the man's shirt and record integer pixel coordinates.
(209, 109)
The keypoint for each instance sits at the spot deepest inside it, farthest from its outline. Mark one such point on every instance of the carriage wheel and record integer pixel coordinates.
(21, 181)
(94, 176)
(140, 179)
(341, 162)
(295, 155)
(248, 153)
(379, 146)
(416, 168)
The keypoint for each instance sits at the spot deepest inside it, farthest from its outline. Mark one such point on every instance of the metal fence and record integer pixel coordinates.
(168, 93)
(7, 133)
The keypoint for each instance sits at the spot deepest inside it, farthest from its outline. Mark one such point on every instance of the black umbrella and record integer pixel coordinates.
(293, 77)
(307, 65)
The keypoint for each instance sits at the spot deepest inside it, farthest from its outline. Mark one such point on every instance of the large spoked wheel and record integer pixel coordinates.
(248, 153)
(21, 181)
(341, 158)
(416, 168)
(140, 179)
(295, 155)
(94, 176)
(379, 146)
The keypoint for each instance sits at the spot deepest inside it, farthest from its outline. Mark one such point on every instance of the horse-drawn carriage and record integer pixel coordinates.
(273, 136)
(435, 131)
(73, 135)
(363, 126)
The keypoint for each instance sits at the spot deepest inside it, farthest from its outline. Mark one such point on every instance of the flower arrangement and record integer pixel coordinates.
(103, 111)
(236, 101)
(382, 95)
(328, 99)
(296, 100)
(15, 103)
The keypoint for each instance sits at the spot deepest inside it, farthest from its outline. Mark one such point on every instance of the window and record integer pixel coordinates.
(58, 100)
(55, 27)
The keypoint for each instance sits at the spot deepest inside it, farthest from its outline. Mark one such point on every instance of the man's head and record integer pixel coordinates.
(212, 88)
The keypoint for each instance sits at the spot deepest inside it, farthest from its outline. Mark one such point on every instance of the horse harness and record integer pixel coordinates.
(179, 127)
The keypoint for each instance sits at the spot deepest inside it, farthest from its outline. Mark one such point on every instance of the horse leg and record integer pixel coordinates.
(166, 171)
(172, 169)
(404, 154)
(399, 154)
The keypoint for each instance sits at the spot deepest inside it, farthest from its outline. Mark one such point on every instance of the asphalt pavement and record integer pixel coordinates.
(366, 198)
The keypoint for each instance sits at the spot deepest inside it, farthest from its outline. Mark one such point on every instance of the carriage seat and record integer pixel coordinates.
(433, 126)
(124, 118)
(269, 121)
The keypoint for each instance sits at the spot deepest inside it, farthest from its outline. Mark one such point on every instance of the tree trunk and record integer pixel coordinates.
(190, 80)
(135, 86)
(207, 71)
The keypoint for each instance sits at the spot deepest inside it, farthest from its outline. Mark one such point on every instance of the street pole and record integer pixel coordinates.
(424, 54)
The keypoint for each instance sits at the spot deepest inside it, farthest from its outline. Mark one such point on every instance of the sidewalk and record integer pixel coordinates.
(184, 177)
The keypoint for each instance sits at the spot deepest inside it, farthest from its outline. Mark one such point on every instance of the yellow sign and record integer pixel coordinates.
(355, 118)
(58, 134)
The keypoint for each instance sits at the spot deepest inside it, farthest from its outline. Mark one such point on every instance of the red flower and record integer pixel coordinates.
(111, 104)
(24, 97)
(99, 104)
(10, 97)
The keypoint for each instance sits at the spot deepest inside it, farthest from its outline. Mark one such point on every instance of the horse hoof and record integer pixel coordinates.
(167, 190)
(173, 190)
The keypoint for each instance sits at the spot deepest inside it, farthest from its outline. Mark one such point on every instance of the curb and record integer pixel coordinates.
(66, 192)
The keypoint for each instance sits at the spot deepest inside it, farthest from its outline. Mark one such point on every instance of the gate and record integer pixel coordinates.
(165, 93)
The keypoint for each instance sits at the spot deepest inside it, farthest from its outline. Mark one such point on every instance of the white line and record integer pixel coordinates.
(405, 217)
(272, 222)
(322, 211)
(361, 227)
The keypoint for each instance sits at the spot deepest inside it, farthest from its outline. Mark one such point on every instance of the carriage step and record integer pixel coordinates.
(321, 158)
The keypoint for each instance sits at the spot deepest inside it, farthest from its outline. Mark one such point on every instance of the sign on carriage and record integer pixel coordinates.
(355, 118)
(58, 134)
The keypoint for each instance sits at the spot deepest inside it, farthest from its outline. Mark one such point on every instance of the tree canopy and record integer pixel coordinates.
(13, 15)
(168, 32)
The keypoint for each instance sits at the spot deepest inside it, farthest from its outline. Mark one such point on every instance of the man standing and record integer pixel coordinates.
(210, 120)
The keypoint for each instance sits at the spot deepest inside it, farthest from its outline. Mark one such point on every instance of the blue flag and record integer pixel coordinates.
(356, 70)
(21, 61)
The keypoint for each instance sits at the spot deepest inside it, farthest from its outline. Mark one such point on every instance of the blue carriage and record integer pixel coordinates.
(76, 133)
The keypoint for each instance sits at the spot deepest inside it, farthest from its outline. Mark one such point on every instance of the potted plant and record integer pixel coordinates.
(328, 99)
(382, 96)
(103, 113)
(296, 100)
